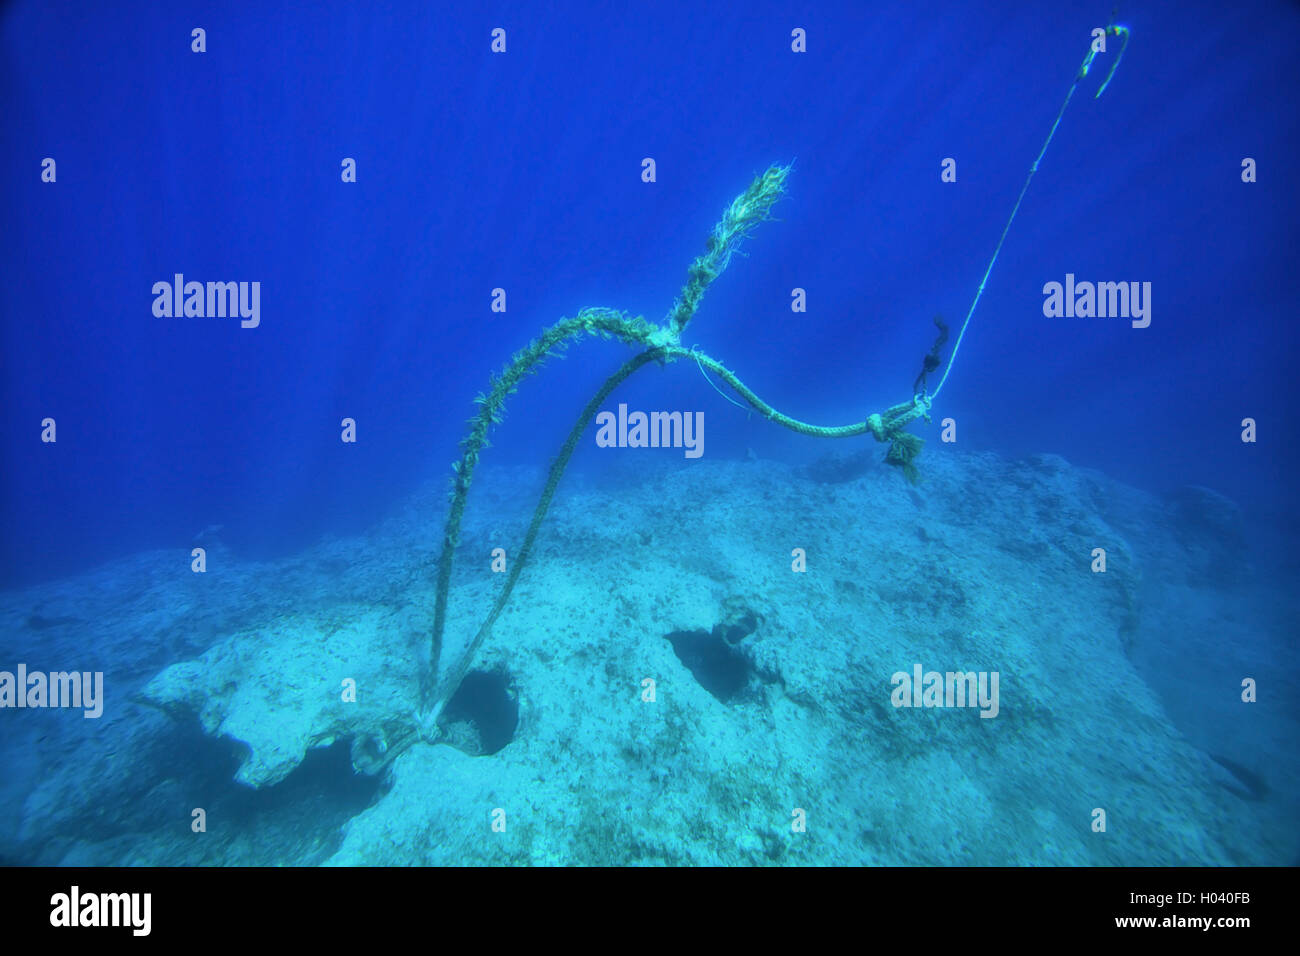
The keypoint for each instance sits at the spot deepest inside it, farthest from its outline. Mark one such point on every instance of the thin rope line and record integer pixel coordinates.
(1111, 29)
(711, 382)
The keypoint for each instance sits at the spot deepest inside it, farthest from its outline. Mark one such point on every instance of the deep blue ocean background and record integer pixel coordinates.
(523, 171)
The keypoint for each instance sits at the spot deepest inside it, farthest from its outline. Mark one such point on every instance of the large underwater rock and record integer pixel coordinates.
(771, 695)
(282, 690)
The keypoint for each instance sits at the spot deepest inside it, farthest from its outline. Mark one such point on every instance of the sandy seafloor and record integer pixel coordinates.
(1119, 691)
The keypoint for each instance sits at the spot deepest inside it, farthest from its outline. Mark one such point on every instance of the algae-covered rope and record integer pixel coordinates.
(766, 410)
(553, 341)
(447, 685)
(744, 213)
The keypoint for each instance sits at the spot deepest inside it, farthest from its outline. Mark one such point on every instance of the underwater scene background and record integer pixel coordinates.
(1067, 637)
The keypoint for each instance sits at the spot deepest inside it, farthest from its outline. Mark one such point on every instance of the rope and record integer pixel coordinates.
(1112, 29)
(451, 680)
(760, 406)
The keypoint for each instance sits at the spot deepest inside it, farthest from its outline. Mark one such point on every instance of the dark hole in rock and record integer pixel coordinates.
(325, 773)
(709, 656)
(113, 819)
(482, 715)
(295, 822)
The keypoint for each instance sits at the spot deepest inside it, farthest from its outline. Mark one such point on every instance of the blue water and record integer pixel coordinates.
(522, 171)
